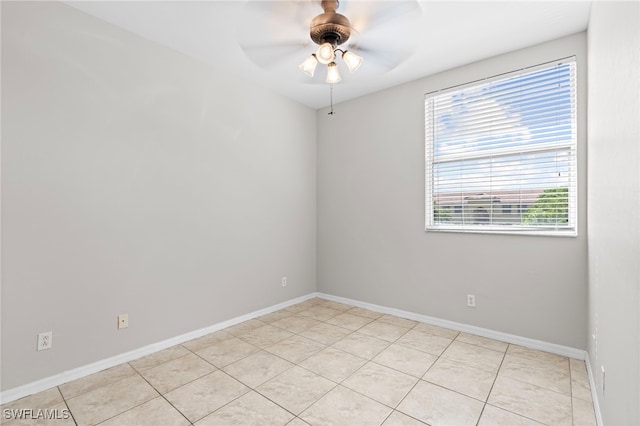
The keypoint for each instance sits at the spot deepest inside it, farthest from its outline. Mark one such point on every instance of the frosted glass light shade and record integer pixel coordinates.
(309, 65)
(325, 53)
(333, 76)
(352, 60)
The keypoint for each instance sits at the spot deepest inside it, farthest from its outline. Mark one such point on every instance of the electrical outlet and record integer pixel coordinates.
(123, 321)
(45, 340)
(284, 281)
(471, 300)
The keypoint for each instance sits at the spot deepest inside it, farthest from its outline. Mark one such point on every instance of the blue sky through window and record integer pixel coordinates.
(497, 125)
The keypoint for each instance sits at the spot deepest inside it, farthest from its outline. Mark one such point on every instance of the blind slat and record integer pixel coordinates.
(500, 154)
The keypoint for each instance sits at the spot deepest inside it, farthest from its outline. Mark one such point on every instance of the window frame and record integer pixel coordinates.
(570, 147)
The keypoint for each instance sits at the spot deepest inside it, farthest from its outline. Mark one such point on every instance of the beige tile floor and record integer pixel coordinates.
(324, 363)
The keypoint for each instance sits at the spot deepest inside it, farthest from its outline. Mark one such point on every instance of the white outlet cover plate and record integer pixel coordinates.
(45, 341)
(123, 321)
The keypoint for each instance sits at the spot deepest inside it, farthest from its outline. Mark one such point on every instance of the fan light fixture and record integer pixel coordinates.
(333, 76)
(309, 65)
(352, 60)
(325, 53)
(329, 30)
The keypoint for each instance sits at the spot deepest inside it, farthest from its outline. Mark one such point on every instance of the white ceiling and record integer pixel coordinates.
(265, 41)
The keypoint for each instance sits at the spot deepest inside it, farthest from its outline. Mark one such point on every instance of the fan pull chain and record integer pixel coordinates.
(331, 98)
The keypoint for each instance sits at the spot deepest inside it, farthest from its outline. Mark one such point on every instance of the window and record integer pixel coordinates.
(500, 154)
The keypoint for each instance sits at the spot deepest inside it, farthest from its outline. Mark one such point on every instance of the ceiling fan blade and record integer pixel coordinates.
(272, 31)
(387, 58)
(267, 55)
(296, 14)
(372, 16)
(385, 36)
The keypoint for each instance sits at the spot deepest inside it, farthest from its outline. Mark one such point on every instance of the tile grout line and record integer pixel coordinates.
(571, 392)
(191, 381)
(64, 400)
(108, 384)
(504, 409)
(136, 406)
(255, 389)
(394, 409)
(367, 360)
(504, 355)
(303, 410)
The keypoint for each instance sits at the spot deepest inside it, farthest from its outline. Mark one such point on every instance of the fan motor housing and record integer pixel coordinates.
(330, 27)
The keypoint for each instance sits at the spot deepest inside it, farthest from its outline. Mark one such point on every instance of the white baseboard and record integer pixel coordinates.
(594, 392)
(77, 373)
(484, 332)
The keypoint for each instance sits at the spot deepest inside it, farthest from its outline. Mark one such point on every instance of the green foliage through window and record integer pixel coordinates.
(551, 208)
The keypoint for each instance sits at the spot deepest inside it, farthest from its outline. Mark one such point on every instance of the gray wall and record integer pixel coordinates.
(371, 240)
(137, 180)
(614, 208)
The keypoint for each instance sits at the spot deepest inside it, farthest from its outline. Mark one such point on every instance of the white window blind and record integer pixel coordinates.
(501, 153)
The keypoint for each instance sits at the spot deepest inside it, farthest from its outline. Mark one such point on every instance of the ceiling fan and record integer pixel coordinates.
(330, 30)
(285, 29)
